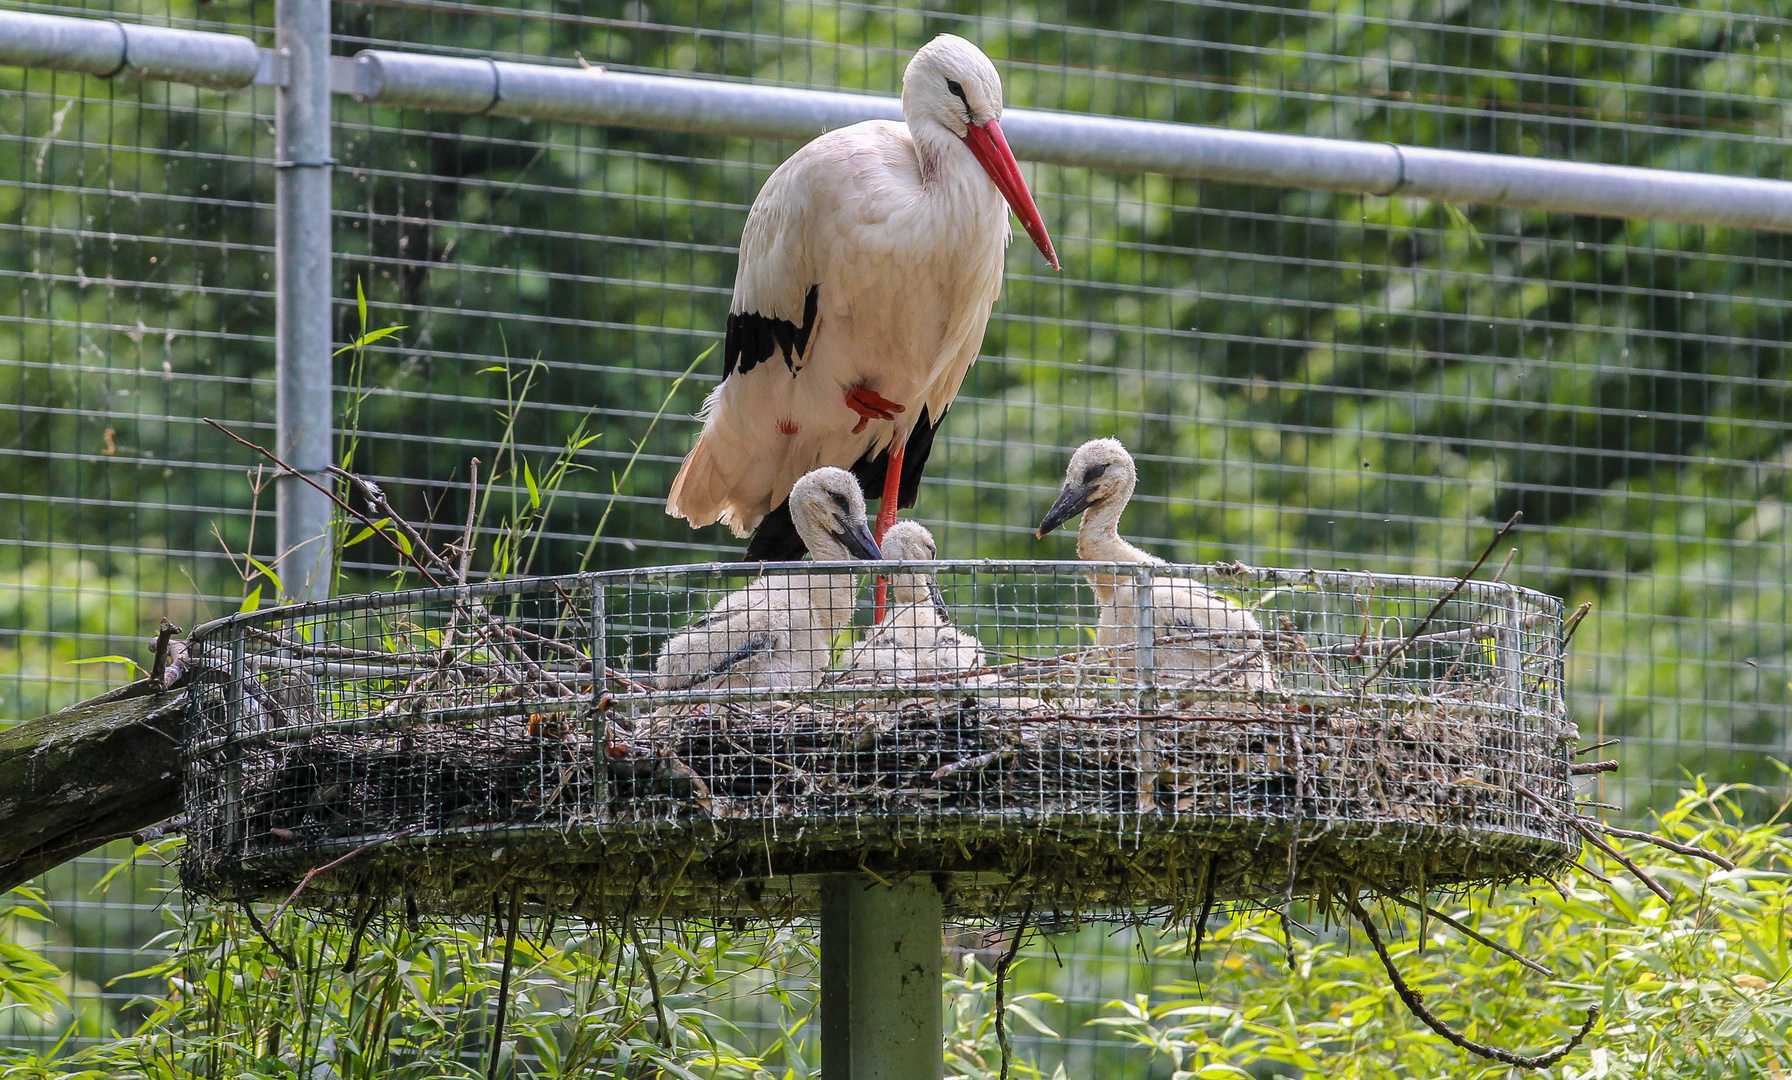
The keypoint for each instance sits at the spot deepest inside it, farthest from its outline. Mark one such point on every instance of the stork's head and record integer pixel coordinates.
(909, 541)
(1101, 473)
(949, 82)
(828, 510)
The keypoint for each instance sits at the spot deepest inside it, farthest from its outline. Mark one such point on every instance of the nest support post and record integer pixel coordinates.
(881, 995)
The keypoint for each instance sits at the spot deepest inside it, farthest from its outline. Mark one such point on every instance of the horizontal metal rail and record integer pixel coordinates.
(662, 103)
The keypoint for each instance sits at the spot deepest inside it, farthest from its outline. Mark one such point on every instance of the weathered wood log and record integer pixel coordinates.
(94, 772)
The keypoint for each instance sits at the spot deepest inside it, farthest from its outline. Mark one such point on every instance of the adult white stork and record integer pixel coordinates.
(868, 268)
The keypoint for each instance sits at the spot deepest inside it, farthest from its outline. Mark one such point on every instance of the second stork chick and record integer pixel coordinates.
(917, 637)
(1199, 636)
(779, 631)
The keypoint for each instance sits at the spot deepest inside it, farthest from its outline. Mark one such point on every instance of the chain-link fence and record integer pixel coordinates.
(1306, 379)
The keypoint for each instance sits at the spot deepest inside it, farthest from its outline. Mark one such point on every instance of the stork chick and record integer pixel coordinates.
(917, 638)
(1193, 627)
(779, 631)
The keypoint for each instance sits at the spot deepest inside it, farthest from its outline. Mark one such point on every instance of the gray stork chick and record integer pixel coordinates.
(1214, 632)
(778, 632)
(917, 637)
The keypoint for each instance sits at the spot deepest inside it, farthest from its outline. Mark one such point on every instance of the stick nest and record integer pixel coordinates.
(731, 810)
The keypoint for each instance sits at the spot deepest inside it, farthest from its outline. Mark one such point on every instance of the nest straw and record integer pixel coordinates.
(455, 743)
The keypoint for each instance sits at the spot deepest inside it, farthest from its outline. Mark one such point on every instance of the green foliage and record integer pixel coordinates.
(1693, 989)
(1308, 378)
(420, 1002)
(28, 982)
(1696, 989)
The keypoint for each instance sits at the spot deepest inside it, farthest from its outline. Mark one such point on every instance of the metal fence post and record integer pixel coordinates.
(1144, 600)
(304, 415)
(600, 715)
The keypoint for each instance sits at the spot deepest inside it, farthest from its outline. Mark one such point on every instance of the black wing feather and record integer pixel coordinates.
(752, 339)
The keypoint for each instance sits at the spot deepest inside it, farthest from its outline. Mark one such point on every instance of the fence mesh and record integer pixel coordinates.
(1305, 378)
(743, 735)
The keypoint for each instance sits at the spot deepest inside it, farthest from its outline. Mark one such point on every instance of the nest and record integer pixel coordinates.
(1012, 786)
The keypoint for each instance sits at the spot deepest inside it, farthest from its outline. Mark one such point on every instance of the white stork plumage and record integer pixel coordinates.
(1200, 636)
(868, 268)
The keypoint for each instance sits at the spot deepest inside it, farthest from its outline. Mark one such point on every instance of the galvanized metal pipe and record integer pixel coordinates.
(662, 103)
(304, 414)
(109, 48)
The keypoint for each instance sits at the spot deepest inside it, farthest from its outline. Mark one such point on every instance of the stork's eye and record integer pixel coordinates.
(958, 92)
(1093, 473)
(841, 501)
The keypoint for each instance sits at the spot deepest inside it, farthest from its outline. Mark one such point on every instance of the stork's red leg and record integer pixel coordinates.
(886, 508)
(886, 516)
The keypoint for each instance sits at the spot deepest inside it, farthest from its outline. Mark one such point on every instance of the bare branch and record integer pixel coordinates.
(1415, 1003)
(331, 495)
(1449, 595)
(408, 830)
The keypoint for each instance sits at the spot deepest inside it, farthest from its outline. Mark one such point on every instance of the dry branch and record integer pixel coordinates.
(1449, 595)
(1415, 1003)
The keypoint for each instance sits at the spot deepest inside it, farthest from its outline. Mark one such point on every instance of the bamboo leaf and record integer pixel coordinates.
(137, 671)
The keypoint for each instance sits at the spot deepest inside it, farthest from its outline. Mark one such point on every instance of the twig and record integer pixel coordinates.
(1505, 566)
(279, 950)
(466, 534)
(1466, 931)
(1449, 595)
(75, 848)
(463, 563)
(1580, 825)
(653, 985)
(1590, 872)
(1588, 768)
(1207, 891)
(973, 764)
(1602, 744)
(331, 495)
(1415, 1003)
(376, 498)
(1573, 621)
(1298, 643)
(158, 667)
(1002, 965)
(173, 826)
(353, 960)
(1375, 646)
(1663, 842)
(1598, 841)
(502, 1008)
(408, 830)
(336, 652)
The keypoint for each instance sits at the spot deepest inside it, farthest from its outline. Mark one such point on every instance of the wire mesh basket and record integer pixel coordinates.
(708, 740)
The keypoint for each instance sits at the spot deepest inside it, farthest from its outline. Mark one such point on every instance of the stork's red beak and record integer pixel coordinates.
(991, 147)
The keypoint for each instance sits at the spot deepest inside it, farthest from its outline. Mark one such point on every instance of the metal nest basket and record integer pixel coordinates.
(1074, 749)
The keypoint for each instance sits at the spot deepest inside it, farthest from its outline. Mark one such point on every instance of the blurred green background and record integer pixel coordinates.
(1306, 378)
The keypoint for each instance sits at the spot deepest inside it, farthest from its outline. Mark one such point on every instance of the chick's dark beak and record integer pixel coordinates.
(1073, 500)
(857, 539)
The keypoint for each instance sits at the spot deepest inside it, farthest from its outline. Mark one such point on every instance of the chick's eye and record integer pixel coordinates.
(1093, 473)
